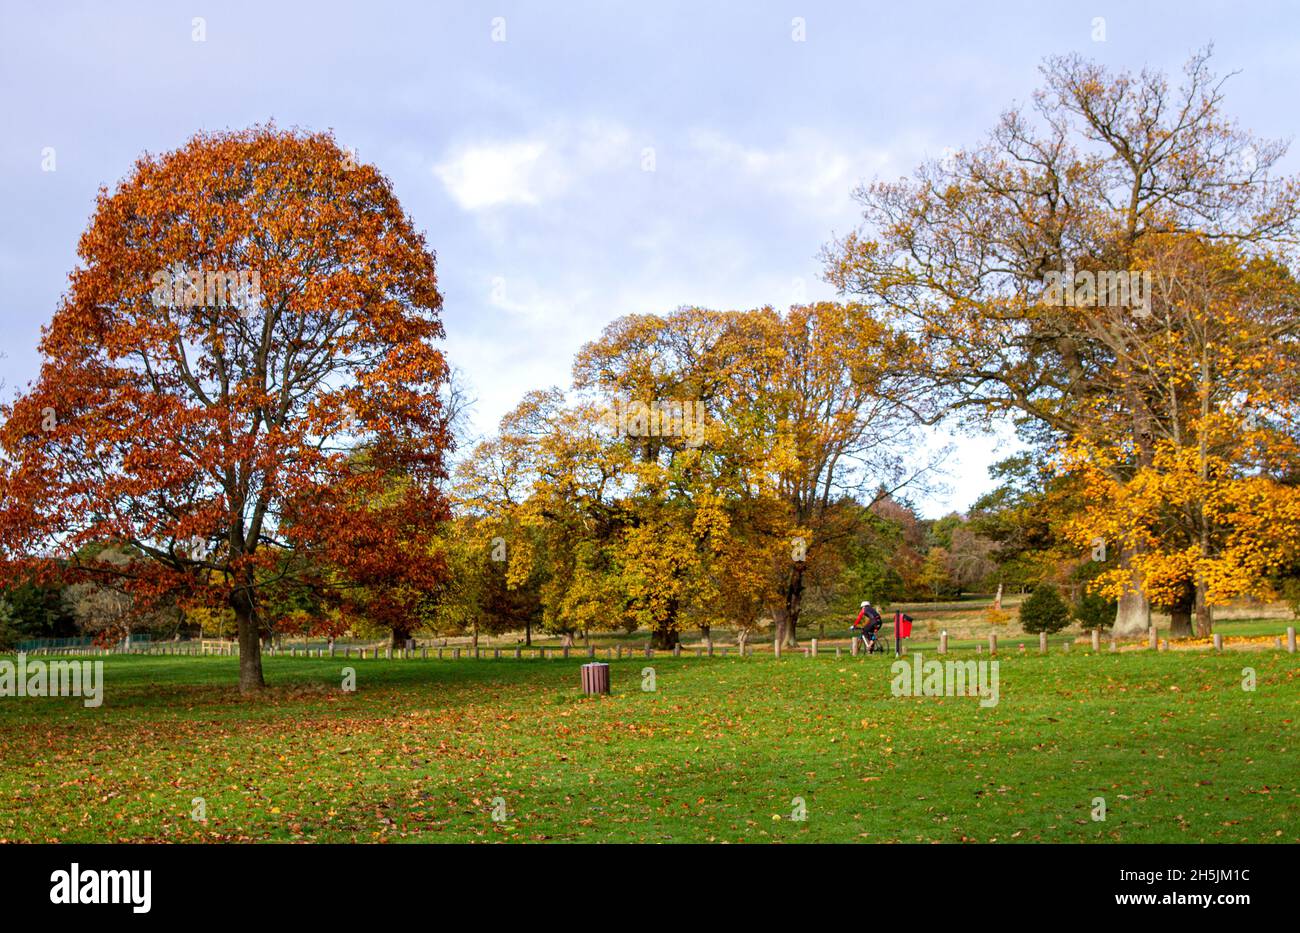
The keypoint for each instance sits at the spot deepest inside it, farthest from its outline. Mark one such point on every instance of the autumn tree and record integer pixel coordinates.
(476, 597)
(809, 415)
(545, 497)
(248, 312)
(1018, 265)
(1211, 512)
(970, 560)
(103, 610)
(1023, 518)
(665, 386)
(710, 468)
(881, 558)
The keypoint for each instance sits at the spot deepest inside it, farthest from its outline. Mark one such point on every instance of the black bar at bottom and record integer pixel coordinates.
(333, 882)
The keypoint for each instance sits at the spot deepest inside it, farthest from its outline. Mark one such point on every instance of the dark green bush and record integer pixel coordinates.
(1044, 610)
(1095, 611)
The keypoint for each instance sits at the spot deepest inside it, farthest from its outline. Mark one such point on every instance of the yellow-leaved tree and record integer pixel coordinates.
(1213, 509)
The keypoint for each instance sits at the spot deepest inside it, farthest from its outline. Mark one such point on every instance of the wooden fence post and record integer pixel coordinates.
(814, 647)
(1096, 641)
(993, 642)
(943, 642)
(853, 647)
(1042, 643)
(776, 647)
(1290, 638)
(1151, 639)
(1218, 641)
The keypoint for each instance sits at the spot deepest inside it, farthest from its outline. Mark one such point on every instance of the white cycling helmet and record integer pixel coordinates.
(864, 605)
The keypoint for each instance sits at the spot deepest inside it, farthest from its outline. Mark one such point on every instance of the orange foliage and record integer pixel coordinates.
(240, 385)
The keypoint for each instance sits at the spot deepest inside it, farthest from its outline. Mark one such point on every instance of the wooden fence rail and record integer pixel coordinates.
(1285, 642)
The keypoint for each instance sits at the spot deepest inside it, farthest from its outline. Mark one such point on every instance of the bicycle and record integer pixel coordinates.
(871, 639)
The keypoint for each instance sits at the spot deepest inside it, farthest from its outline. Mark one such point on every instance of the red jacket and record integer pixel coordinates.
(871, 611)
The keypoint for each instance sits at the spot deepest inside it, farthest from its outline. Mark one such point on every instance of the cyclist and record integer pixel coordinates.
(867, 626)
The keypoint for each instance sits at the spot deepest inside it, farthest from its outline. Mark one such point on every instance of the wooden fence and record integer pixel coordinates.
(616, 652)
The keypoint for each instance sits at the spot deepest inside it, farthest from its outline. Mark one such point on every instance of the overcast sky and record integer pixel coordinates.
(525, 160)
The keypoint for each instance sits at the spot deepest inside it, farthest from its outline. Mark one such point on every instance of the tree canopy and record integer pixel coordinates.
(240, 384)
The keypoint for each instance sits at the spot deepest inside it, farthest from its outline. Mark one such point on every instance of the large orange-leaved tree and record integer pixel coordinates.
(240, 387)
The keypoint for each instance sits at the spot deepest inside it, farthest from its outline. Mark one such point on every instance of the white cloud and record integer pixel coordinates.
(490, 175)
(539, 168)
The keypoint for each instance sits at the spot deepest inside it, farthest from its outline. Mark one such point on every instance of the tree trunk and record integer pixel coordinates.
(793, 604)
(778, 624)
(1133, 614)
(664, 637)
(1180, 615)
(250, 642)
(1204, 620)
(665, 634)
(528, 632)
(1180, 622)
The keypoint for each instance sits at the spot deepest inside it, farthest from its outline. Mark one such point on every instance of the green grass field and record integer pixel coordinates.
(717, 752)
